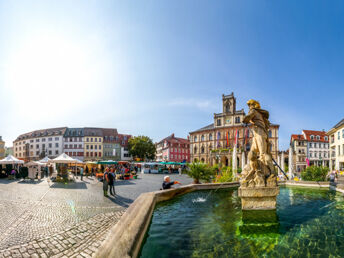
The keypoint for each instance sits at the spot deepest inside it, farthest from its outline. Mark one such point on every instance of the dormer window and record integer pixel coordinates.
(312, 137)
(318, 137)
(218, 122)
(326, 138)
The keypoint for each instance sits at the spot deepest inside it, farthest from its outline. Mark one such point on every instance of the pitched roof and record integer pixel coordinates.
(339, 124)
(322, 135)
(208, 127)
(173, 139)
(298, 137)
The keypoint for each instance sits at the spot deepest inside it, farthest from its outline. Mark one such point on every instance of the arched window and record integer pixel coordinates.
(202, 160)
(326, 138)
(318, 137)
(210, 137)
(270, 133)
(202, 149)
(218, 135)
(195, 149)
(312, 137)
(195, 139)
(227, 108)
(202, 138)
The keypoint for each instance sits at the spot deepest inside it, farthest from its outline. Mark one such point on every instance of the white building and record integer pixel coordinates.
(73, 143)
(336, 135)
(40, 143)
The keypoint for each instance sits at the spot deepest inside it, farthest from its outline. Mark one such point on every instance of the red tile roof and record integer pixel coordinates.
(298, 137)
(322, 135)
(173, 139)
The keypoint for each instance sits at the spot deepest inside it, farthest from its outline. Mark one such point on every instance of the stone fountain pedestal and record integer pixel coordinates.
(258, 198)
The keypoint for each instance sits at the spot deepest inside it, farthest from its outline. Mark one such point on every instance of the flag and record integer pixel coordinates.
(227, 138)
(307, 160)
(218, 138)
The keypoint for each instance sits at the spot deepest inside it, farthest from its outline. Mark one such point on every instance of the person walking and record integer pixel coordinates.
(111, 177)
(81, 173)
(106, 182)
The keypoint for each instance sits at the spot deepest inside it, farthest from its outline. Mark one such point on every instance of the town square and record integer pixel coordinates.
(171, 129)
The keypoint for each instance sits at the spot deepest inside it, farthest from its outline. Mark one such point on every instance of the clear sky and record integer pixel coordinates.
(158, 67)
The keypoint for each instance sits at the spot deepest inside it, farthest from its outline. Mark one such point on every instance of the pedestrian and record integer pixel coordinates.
(180, 170)
(111, 177)
(106, 182)
(167, 183)
(81, 173)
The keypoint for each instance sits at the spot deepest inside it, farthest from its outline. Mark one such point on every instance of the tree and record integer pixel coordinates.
(314, 173)
(200, 171)
(142, 147)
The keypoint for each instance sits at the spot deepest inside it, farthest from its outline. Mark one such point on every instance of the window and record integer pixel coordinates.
(87, 147)
(270, 133)
(311, 154)
(237, 119)
(195, 149)
(31, 140)
(218, 122)
(202, 149)
(326, 138)
(43, 139)
(56, 152)
(318, 137)
(37, 140)
(195, 139)
(343, 133)
(75, 146)
(202, 138)
(338, 135)
(210, 137)
(50, 152)
(91, 147)
(95, 139)
(95, 147)
(87, 139)
(50, 145)
(91, 139)
(310, 145)
(57, 138)
(100, 154)
(315, 145)
(50, 139)
(37, 153)
(56, 144)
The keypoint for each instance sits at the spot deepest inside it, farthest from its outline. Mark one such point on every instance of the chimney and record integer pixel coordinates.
(172, 135)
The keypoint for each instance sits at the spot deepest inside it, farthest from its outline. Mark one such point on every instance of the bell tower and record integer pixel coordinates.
(228, 104)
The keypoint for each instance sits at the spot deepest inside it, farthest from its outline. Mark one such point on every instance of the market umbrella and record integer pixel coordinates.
(63, 159)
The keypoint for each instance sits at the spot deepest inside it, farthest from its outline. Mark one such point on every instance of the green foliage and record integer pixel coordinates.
(142, 147)
(314, 173)
(226, 175)
(200, 171)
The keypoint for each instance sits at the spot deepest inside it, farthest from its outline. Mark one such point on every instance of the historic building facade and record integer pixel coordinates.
(336, 137)
(214, 143)
(74, 143)
(310, 148)
(173, 149)
(40, 143)
(85, 144)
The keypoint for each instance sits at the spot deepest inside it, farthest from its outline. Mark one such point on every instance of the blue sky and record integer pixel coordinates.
(158, 67)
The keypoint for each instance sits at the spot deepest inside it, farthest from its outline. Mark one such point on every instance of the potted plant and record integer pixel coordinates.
(200, 171)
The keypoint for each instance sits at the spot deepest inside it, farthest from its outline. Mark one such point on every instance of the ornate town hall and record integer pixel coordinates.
(214, 143)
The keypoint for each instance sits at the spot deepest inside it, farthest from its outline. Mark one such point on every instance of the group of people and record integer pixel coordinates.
(109, 178)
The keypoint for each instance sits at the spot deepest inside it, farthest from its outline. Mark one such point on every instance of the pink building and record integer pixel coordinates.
(173, 149)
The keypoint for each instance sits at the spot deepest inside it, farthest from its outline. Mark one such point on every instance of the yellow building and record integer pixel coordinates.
(2, 148)
(214, 143)
(93, 144)
(336, 135)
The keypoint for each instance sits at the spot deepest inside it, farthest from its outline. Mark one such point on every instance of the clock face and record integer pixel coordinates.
(228, 121)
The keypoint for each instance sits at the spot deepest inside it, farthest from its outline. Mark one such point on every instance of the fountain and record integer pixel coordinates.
(258, 184)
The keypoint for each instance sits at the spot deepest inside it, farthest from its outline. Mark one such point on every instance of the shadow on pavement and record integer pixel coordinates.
(120, 200)
(29, 181)
(6, 181)
(124, 182)
(77, 185)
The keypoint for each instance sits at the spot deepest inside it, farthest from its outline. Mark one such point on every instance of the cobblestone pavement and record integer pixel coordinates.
(40, 219)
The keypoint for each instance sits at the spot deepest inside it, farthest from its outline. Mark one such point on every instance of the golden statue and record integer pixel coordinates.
(260, 170)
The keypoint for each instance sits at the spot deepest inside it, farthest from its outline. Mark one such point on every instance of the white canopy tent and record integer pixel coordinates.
(64, 159)
(44, 160)
(11, 160)
(34, 168)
